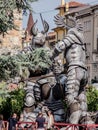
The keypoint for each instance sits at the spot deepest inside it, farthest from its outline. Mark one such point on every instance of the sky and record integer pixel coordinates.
(47, 10)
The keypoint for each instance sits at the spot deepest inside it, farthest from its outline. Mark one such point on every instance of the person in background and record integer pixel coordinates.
(12, 122)
(50, 120)
(40, 120)
(2, 125)
(21, 119)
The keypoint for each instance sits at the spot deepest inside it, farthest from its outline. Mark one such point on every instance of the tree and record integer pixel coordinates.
(6, 12)
(13, 103)
(92, 99)
(37, 61)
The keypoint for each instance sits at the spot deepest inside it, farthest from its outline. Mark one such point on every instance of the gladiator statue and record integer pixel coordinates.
(74, 52)
(44, 91)
(52, 93)
(31, 87)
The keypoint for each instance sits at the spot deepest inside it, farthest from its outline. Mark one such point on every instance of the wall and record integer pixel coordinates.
(13, 38)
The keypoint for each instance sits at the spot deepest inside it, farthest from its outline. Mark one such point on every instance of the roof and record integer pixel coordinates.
(75, 10)
(72, 4)
(83, 11)
(30, 23)
(75, 4)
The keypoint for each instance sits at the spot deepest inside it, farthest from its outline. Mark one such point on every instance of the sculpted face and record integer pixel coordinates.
(39, 39)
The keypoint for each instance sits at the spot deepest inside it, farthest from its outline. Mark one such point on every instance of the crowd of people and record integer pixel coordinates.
(42, 122)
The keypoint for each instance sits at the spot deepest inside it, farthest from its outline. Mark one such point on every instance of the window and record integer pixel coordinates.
(88, 68)
(88, 51)
(87, 25)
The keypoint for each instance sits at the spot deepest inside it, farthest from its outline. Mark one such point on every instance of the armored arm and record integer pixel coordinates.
(59, 47)
(62, 46)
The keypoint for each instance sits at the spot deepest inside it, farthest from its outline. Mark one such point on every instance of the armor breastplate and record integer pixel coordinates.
(75, 56)
(51, 93)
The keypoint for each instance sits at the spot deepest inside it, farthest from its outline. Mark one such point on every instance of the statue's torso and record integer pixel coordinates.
(75, 55)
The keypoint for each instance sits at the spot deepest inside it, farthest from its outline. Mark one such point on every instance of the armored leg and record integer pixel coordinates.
(74, 79)
(32, 94)
(85, 116)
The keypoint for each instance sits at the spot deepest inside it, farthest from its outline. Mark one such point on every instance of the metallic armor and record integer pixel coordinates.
(43, 92)
(77, 77)
(52, 93)
(32, 89)
(39, 38)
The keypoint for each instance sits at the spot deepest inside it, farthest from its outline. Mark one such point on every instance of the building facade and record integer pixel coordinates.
(89, 18)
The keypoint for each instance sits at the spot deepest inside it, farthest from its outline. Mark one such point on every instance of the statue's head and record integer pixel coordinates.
(68, 22)
(39, 37)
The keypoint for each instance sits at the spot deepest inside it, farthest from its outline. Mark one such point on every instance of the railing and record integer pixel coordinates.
(57, 126)
(65, 126)
(26, 126)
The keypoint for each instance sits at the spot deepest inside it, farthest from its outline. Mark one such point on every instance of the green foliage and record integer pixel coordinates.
(6, 12)
(92, 99)
(40, 59)
(18, 65)
(3, 91)
(13, 103)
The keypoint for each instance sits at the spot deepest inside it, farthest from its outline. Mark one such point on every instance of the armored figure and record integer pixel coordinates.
(38, 39)
(51, 93)
(44, 90)
(77, 77)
